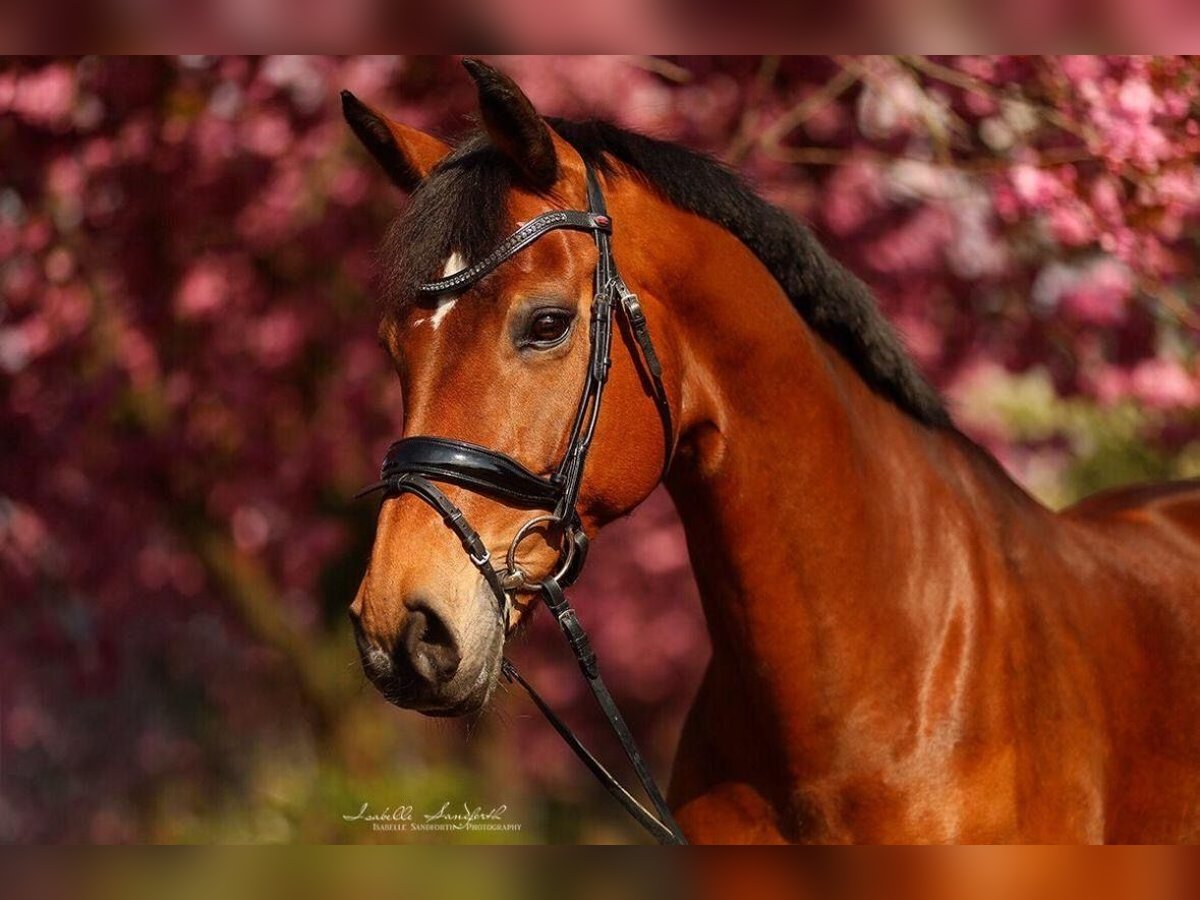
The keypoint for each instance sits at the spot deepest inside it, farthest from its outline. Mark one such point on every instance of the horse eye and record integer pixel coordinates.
(549, 327)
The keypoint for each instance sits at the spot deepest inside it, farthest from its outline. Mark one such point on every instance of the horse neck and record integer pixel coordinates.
(837, 541)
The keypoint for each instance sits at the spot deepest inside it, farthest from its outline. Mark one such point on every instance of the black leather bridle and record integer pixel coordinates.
(414, 464)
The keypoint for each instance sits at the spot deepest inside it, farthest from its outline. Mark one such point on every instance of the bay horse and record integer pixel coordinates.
(906, 647)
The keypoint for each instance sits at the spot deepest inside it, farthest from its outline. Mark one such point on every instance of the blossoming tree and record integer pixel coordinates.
(190, 388)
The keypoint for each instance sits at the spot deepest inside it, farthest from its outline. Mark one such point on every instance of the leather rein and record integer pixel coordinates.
(414, 465)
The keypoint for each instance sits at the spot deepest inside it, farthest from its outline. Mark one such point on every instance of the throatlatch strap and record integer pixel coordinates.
(664, 828)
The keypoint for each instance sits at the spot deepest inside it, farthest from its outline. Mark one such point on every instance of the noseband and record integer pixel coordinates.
(414, 464)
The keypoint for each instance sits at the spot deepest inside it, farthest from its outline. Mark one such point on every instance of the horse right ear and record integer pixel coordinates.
(407, 155)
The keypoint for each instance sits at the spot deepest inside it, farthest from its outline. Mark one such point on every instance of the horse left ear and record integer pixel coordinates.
(514, 125)
(406, 154)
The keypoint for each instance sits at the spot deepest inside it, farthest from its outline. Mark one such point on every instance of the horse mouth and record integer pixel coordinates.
(432, 703)
(453, 712)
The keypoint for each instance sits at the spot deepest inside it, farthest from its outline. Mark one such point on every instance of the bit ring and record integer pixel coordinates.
(514, 577)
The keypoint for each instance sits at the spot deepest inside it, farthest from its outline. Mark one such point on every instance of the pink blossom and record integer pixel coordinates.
(852, 196)
(890, 104)
(65, 176)
(368, 76)
(1100, 295)
(60, 265)
(8, 89)
(915, 245)
(1106, 200)
(1082, 69)
(1165, 384)
(1071, 224)
(138, 357)
(45, 97)
(981, 105)
(23, 535)
(1136, 97)
(268, 134)
(921, 337)
(826, 122)
(98, 153)
(1035, 187)
(251, 528)
(280, 335)
(38, 234)
(1005, 200)
(202, 291)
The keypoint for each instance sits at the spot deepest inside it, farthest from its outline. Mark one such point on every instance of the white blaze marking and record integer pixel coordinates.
(454, 263)
(445, 304)
(416, 322)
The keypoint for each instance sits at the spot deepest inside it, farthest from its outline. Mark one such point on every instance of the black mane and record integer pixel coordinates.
(460, 207)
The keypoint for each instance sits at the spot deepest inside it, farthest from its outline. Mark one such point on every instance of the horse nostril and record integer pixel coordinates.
(429, 645)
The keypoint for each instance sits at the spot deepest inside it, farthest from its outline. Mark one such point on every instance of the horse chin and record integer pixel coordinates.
(473, 702)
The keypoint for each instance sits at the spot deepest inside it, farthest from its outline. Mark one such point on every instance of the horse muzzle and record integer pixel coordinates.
(437, 663)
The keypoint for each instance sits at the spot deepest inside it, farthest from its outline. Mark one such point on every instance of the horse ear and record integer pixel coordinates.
(514, 125)
(407, 155)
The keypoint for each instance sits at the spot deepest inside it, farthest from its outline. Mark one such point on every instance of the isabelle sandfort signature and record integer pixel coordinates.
(447, 817)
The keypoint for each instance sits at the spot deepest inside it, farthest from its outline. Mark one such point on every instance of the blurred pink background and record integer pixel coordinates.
(191, 392)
